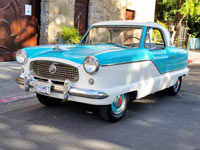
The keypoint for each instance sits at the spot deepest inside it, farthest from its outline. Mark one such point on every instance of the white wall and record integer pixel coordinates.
(145, 9)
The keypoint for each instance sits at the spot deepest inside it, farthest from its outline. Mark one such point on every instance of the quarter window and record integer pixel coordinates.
(154, 39)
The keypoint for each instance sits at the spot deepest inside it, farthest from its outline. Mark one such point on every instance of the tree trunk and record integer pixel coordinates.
(178, 23)
(173, 36)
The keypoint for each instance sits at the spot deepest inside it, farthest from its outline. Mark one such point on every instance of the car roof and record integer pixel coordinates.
(134, 23)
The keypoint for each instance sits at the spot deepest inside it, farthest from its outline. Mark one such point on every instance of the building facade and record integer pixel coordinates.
(82, 13)
(25, 23)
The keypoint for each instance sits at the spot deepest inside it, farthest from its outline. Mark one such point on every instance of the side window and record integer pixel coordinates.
(154, 39)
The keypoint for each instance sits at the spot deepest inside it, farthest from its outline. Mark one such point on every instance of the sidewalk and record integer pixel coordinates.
(194, 56)
(9, 90)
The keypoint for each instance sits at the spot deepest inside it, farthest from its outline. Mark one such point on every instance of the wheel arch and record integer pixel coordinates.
(132, 95)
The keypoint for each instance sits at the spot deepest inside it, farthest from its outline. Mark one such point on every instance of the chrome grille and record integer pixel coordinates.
(63, 71)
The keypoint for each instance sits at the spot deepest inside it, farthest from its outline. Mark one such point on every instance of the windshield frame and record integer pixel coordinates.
(114, 26)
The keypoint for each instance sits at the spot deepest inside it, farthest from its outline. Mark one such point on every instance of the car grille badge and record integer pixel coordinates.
(52, 69)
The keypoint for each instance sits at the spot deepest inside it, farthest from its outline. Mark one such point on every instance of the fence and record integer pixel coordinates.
(181, 39)
(194, 43)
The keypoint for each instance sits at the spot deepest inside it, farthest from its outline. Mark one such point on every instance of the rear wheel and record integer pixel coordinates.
(115, 111)
(48, 101)
(173, 90)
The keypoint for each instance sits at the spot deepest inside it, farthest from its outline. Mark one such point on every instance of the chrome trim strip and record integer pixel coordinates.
(72, 91)
(40, 77)
(123, 63)
(88, 93)
(142, 61)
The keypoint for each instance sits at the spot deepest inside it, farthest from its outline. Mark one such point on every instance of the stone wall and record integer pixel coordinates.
(54, 15)
(115, 10)
(58, 13)
(102, 10)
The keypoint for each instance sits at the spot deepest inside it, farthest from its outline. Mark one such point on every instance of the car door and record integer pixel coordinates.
(157, 48)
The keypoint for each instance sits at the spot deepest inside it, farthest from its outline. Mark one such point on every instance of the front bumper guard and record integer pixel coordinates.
(29, 82)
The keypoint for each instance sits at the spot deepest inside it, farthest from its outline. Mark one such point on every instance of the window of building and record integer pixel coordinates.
(130, 14)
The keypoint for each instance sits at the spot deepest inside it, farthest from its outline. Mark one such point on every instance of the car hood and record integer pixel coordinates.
(75, 53)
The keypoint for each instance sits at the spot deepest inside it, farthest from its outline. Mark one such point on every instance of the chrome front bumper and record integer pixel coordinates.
(86, 93)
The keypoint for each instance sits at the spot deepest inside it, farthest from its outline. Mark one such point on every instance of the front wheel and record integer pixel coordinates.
(173, 90)
(48, 101)
(115, 111)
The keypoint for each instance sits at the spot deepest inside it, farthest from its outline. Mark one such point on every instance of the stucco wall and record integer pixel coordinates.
(145, 9)
(58, 13)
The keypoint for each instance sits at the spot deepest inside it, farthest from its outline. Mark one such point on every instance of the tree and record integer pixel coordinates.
(176, 11)
(194, 27)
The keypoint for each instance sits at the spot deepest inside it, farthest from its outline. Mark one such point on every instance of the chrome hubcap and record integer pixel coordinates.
(119, 104)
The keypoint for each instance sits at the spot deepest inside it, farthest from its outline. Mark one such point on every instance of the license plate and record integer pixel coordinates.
(42, 87)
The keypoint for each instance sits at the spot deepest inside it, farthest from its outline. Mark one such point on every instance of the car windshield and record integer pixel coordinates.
(123, 36)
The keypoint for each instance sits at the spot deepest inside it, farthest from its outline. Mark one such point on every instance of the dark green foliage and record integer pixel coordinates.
(194, 27)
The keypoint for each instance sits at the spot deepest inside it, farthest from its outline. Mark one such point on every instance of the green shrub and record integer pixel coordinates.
(70, 35)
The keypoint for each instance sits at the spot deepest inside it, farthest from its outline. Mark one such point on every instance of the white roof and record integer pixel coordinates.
(134, 23)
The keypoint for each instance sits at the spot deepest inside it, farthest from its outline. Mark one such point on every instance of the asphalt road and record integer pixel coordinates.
(157, 122)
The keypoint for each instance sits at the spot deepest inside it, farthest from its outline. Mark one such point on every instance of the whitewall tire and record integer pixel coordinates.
(115, 111)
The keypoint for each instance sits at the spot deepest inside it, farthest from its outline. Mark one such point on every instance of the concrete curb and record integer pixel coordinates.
(16, 98)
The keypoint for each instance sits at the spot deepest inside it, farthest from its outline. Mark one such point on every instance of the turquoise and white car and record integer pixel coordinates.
(116, 61)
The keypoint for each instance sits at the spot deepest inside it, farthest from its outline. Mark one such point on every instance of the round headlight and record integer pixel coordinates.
(21, 56)
(91, 64)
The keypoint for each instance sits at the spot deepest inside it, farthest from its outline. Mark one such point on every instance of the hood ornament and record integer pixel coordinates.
(57, 48)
